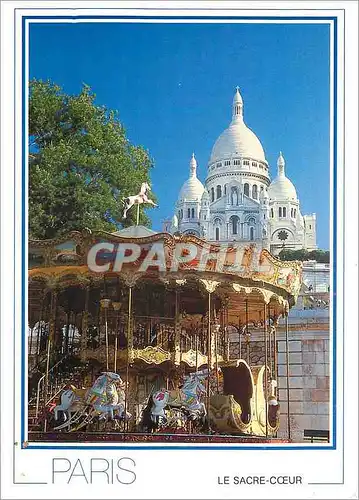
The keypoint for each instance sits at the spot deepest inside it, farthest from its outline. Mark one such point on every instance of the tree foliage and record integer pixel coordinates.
(81, 164)
(322, 256)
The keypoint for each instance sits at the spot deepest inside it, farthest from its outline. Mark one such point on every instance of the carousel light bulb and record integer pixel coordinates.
(116, 305)
(105, 303)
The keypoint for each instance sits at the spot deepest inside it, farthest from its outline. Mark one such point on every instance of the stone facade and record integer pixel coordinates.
(309, 383)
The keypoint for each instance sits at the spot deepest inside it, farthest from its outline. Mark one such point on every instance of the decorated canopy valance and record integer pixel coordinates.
(95, 254)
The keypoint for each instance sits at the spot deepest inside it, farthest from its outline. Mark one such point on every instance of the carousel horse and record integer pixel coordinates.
(105, 400)
(71, 402)
(187, 398)
(138, 199)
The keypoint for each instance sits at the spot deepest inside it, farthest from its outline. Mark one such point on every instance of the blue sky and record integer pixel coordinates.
(173, 85)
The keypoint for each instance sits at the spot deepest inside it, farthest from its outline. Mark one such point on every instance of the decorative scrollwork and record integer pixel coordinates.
(210, 285)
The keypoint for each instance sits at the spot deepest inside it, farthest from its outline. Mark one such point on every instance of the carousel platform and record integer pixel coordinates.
(119, 437)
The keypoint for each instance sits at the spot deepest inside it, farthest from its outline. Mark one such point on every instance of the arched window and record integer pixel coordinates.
(179, 214)
(217, 233)
(272, 213)
(192, 213)
(219, 192)
(295, 212)
(251, 233)
(189, 213)
(255, 192)
(212, 194)
(225, 188)
(246, 189)
(234, 196)
(284, 212)
(280, 211)
(234, 222)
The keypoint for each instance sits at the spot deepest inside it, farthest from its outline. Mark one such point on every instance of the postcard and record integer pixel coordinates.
(179, 257)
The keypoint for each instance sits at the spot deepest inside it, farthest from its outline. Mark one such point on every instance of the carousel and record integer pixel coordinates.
(143, 336)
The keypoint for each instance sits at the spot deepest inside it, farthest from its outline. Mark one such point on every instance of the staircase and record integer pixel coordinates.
(39, 398)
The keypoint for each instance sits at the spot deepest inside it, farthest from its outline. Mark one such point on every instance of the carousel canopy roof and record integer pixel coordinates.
(134, 232)
(238, 272)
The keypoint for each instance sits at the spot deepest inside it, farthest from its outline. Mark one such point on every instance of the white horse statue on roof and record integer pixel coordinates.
(138, 199)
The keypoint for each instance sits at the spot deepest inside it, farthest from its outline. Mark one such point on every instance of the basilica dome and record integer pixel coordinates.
(237, 139)
(281, 188)
(193, 188)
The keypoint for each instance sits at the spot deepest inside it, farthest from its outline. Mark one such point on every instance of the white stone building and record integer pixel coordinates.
(238, 201)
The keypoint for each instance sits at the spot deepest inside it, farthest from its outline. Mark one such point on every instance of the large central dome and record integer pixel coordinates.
(237, 139)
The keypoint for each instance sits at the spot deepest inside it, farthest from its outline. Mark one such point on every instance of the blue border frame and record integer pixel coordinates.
(334, 253)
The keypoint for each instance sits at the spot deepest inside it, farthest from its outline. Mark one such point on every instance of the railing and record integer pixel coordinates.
(41, 379)
(316, 435)
(156, 332)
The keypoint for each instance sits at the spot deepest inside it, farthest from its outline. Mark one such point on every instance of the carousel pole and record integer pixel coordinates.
(210, 287)
(39, 328)
(50, 342)
(197, 350)
(84, 324)
(209, 345)
(138, 214)
(287, 363)
(239, 338)
(216, 356)
(247, 334)
(129, 338)
(275, 361)
(270, 346)
(226, 332)
(105, 304)
(115, 356)
(117, 307)
(177, 353)
(266, 367)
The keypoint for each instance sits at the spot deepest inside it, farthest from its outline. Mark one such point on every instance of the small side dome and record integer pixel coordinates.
(193, 188)
(281, 188)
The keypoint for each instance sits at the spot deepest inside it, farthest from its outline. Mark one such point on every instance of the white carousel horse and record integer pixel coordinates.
(188, 397)
(105, 398)
(67, 406)
(138, 199)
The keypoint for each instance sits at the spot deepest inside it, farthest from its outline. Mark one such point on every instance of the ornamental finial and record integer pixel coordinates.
(237, 107)
(193, 166)
(281, 164)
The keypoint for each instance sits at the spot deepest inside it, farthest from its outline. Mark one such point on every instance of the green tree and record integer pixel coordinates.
(322, 256)
(81, 164)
